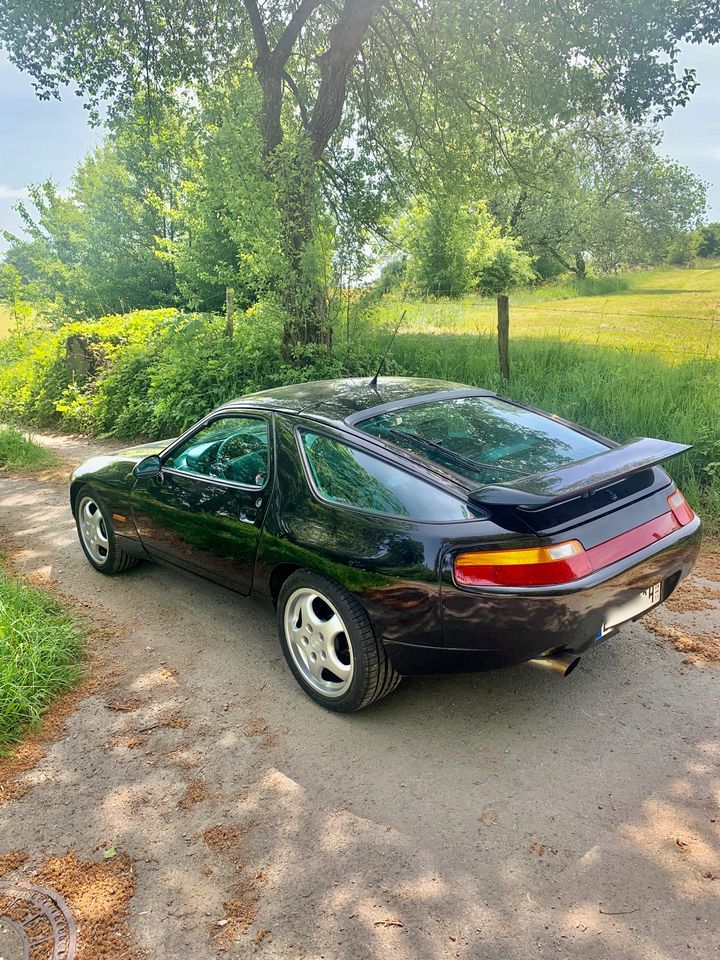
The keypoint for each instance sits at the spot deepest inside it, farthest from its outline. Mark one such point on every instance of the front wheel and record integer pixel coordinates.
(330, 645)
(97, 537)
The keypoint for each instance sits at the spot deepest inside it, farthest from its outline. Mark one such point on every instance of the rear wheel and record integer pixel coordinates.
(330, 645)
(97, 537)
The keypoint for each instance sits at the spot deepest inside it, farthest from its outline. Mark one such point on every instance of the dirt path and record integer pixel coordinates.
(503, 816)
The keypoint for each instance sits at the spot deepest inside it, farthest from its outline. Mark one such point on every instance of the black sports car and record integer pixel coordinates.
(401, 526)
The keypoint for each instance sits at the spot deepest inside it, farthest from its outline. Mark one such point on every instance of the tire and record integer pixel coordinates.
(323, 629)
(97, 537)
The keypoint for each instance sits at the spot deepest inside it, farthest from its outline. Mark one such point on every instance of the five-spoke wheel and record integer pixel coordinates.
(97, 536)
(93, 531)
(330, 645)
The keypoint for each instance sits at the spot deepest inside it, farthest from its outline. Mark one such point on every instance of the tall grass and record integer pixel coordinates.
(18, 451)
(40, 656)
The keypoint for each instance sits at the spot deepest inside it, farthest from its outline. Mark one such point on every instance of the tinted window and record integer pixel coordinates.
(231, 448)
(483, 438)
(348, 476)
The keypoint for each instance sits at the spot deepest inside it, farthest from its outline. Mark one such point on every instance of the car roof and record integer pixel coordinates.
(352, 399)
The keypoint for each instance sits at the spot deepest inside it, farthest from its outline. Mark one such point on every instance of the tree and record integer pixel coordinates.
(599, 193)
(500, 264)
(439, 232)
(398, 75)
(95, 249)
(709, 236)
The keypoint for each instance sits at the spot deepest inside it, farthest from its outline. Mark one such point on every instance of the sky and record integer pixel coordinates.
(42, 140)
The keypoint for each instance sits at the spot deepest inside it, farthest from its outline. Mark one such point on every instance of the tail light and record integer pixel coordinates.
(526, 567)
(681, 509)
(568, 561)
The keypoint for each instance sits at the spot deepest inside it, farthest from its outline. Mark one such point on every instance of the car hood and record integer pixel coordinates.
(116, 468)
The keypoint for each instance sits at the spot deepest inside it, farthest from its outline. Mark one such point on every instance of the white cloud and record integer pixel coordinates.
(12, 193)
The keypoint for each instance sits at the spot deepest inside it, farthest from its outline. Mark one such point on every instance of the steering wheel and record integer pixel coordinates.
(248, 444)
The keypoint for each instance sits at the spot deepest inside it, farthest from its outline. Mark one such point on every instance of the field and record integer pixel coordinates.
(673, 313)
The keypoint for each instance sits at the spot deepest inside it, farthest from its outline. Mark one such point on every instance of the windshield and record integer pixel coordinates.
(483, 438)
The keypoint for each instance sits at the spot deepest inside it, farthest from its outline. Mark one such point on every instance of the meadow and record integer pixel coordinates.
(673, 313)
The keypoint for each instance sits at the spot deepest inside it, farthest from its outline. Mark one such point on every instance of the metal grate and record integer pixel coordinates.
(41, 920)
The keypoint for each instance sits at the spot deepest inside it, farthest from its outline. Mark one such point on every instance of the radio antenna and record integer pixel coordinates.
(373, 383)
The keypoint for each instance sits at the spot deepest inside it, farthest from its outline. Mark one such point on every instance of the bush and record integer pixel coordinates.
(153, 373)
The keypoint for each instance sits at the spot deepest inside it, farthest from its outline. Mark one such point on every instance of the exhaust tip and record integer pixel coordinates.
(562, 664)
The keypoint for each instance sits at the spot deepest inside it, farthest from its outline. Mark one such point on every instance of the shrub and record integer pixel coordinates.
(153, 373)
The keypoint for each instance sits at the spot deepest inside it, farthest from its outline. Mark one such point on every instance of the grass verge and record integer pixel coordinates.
(40, 656)
(17, 451)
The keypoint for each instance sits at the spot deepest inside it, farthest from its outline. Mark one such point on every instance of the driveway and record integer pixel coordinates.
(502, 816)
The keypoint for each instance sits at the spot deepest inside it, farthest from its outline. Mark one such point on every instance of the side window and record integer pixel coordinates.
(231, 448)
(348, 476)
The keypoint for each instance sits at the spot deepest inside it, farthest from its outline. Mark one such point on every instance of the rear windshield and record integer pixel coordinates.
(483, 438)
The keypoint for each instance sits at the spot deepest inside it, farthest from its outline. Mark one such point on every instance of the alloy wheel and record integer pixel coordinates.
(93, 530)
(318, 642)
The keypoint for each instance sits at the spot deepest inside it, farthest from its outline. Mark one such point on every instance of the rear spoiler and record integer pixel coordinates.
(576, 479)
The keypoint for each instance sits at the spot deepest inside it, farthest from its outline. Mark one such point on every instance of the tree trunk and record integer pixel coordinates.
(229, 311)
(302, 291)
(503, 326)
(580, 266)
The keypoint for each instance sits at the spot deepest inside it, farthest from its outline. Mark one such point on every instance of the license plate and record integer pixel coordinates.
(642, 601)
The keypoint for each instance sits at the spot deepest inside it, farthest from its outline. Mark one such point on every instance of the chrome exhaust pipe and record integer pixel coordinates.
(561, 663)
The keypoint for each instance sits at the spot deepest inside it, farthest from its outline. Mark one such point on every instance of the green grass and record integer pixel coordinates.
(672, 312)
(18, 451)
(40, 656)
(625, 364)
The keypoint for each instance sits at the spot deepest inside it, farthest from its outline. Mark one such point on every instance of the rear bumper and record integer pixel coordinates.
(486, 629)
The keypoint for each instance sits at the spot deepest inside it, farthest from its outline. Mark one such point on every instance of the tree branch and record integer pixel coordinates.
(344, 42)
(258, 28)
(292, 31)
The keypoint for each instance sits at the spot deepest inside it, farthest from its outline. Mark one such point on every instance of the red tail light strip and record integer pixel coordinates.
(631, 541)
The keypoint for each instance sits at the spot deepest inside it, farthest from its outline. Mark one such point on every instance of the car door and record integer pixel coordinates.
(205, 510)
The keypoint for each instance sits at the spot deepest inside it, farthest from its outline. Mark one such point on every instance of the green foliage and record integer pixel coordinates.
(153, 373)
(709, 245)
(226, 229)
(40, 656)
(684, 249)
(18, 451)
(455, 247)
(440, 232)
(499, 264)
(598, 195)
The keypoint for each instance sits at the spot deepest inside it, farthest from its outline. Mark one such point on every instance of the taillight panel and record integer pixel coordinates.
(568, 561)
(681, 509)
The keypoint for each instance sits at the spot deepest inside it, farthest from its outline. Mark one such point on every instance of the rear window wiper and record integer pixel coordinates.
(450, 455)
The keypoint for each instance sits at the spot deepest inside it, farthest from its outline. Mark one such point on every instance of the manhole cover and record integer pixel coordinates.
(35, 924)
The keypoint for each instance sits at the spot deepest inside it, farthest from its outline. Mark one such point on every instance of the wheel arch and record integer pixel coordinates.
(279, 575)
(75, 488)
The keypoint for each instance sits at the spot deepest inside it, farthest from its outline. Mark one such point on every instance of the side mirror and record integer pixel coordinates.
(148, 468)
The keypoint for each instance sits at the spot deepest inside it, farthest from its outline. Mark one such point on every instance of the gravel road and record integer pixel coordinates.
(502, 816)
